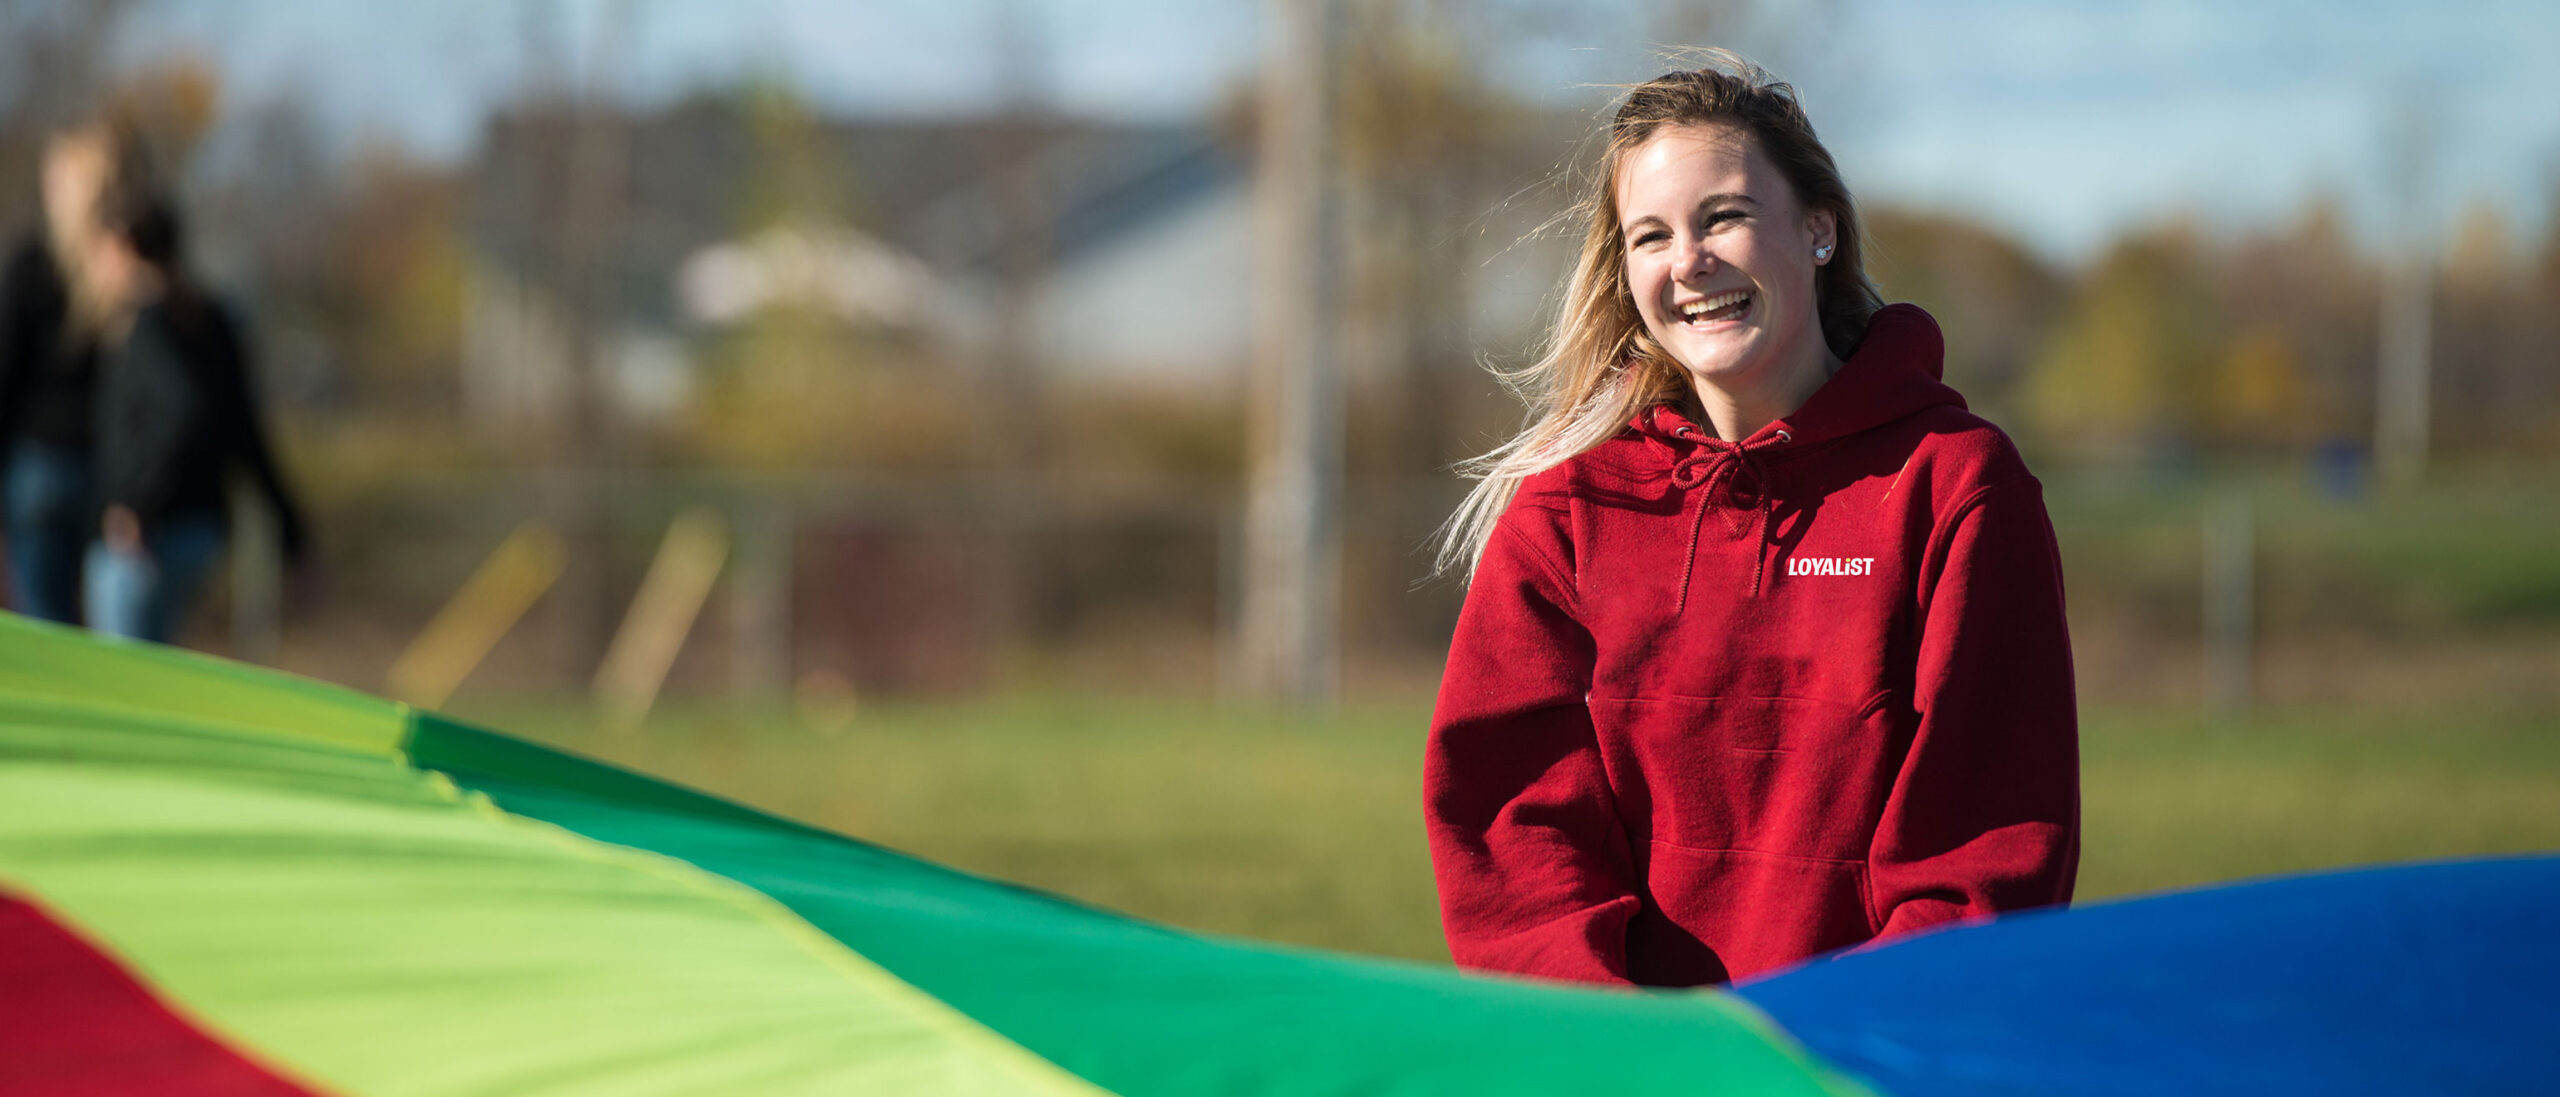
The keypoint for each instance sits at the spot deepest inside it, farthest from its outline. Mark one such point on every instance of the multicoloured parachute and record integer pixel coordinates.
(214, 879)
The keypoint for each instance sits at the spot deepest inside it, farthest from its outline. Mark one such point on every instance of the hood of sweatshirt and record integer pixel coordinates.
(1893, 373)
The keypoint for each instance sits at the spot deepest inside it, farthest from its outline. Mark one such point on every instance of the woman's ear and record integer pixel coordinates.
(1825, 230)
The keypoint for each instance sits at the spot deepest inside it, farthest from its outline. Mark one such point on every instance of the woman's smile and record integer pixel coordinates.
(1713, 313)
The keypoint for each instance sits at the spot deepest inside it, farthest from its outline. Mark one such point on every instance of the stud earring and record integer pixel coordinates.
(1823, 252)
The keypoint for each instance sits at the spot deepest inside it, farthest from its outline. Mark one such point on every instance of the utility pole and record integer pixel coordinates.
(1017, 159)
(593, 171)
(2404, 358)
(1288, 644)
(1018, 145)
(2407, 361)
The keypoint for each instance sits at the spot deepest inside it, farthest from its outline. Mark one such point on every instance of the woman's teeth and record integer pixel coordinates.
(1723, 306)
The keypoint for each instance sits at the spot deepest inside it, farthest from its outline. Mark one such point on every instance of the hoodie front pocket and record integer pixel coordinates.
(1730, 914)
(1791, 776)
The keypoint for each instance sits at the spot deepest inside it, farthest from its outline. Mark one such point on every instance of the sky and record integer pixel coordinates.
(2062, 123)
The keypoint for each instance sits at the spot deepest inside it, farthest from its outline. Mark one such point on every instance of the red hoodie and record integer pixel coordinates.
(1713, 708)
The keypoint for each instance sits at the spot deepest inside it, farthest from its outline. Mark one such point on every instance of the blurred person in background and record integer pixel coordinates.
(175, 418)
(1763, 650)
(50, 323)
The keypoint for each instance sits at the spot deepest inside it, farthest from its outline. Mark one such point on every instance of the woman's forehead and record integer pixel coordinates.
(1680, 164)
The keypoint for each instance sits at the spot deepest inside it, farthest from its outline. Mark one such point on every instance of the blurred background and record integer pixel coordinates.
(1013, 430)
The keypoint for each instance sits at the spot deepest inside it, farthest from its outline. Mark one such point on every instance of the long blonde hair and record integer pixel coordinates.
(1599, 367)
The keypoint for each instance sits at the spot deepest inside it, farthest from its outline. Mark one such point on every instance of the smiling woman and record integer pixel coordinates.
(1657, 758)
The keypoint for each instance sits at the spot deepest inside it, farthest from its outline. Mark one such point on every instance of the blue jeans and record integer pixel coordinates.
(51, 521)
(145, 595)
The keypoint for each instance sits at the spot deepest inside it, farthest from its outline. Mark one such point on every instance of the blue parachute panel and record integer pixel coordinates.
(2413, 979)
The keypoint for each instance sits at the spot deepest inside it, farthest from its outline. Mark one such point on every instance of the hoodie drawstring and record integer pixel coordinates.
(1717, 463)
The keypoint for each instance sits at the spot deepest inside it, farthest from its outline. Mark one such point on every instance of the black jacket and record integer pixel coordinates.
(175, 416)
(47, 389)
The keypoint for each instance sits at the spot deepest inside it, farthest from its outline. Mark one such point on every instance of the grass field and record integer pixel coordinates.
(1308, 829)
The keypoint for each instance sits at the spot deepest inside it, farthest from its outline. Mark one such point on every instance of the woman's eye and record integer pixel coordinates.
(1721, 216)
(1654, 237)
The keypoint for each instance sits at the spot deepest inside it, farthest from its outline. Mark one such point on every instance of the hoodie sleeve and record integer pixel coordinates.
(1534, 871)
(1985, 814)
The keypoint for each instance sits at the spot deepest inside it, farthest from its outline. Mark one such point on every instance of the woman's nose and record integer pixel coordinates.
(1696, 262)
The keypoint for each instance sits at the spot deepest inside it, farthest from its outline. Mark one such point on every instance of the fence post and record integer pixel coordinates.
(2230, 595)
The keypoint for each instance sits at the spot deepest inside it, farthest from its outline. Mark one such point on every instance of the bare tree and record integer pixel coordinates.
(53, 69)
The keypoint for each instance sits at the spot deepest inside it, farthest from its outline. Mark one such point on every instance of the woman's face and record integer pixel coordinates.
(75, 172)
(1720, 257)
